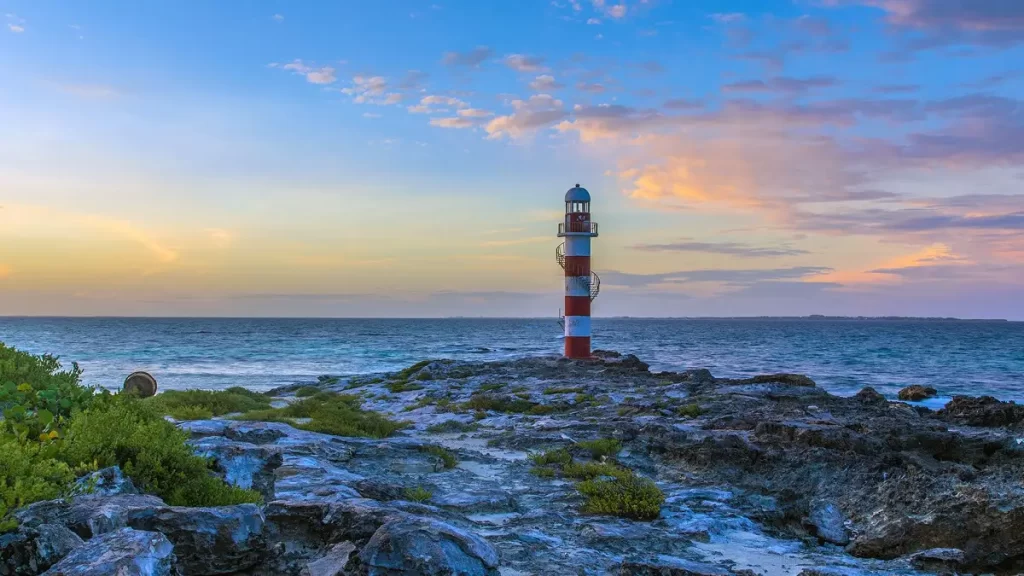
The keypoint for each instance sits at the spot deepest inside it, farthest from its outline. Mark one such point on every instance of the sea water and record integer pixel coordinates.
(842, 355)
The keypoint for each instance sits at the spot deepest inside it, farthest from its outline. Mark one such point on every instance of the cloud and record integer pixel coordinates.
(524, 63)
(730, 248)
(593, 21)
(475, 113)
(5, 271)
(538, 111)
(436, 100)
(372, 90)
(947, 22)
(15, 24)
(727, 17)
(16, 28)
(897, 88)
(730, 277)
(277, 17)
(471, 59)
(456, 122)
(684, 104)
(220, 238)
(781, 84)
(313, 75)
(592, 88)
(545, 83)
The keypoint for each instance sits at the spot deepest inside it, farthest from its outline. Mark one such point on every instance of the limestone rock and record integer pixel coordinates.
(123, 552)
(106, 482)
(982, 411)
(869, 395)
(332, 563)
(219, 540)
(242, 464)
(423, 546)
(829, 522)
(32, 550)
(669, 566)
(942, 560)
(916, 393)
(90, 515)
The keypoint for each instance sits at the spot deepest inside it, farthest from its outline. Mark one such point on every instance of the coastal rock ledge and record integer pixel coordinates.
(632, 473)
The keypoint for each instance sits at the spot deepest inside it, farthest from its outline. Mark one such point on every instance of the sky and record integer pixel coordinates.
(409, 157)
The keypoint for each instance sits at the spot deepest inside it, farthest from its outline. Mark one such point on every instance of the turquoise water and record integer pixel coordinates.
(842, 355)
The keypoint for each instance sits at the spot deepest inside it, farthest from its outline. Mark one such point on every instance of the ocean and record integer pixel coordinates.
(842, 355)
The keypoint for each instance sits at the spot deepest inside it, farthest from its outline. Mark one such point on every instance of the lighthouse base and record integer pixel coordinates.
(577, 347)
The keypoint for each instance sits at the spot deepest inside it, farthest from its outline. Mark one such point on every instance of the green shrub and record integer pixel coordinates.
(29, 472)
(307, 391)
(403, 386)
(629, 497)
(130, 433)
(479, 415)
(418, 494)
(216, 402)
(36, 396)
(327, 380)
(554, 456)
(448, 458)
(581, 398)
(602, 447)
(542, 472)
(557, 390)
(451, 426)
(190, 413)
(543, 409)
(692, 410)
(445, 405)
(330, 413)
(491, 387)
(498, 404)
(590, 470)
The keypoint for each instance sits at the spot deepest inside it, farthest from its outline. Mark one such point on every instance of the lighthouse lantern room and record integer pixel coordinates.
(581, 283)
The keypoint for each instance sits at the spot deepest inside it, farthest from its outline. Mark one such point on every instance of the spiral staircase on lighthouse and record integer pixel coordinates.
(594, 281)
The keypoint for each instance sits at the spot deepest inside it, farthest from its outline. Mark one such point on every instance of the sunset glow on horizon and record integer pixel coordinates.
(410, 158)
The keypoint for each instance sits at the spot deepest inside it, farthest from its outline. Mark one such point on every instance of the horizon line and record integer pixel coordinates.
(554, 318)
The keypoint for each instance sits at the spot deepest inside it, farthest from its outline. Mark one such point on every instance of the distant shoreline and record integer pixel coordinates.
(811, 318)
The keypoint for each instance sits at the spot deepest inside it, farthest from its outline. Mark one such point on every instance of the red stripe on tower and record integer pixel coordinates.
(581, 284)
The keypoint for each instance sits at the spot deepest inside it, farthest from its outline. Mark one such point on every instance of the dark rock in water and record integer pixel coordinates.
(242, 464)
(88, 516)
(982, 411)
(30, 551)
(670, 566)
(423, 546)
(106, 482)
(869, 395)
(916, 393)
(219, 540)
(124, 552)
(829, 522)
(784, 379)
(942, 560)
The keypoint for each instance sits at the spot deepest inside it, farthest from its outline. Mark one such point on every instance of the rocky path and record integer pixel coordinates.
(769, 475)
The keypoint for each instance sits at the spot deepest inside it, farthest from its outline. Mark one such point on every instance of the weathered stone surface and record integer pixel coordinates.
(219, 540)
(106, 482)
(30, 551)
(829, 522)
(123, 552)
(943, 560)
(89, 515)
(333, 563)
(916, 393)
(242, 464)
(982, 411)
(422, 546)
(669, 566)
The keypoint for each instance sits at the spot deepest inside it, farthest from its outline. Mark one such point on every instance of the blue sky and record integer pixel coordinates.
(408, 158)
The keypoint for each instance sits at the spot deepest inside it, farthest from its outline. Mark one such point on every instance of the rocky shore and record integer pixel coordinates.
(766, 475)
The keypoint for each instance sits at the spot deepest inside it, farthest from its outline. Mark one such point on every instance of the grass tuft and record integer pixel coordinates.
(692, 410)
(554, 456)
(629, 497)
(452, 426)
(448, 458)
(330, 413)
(418, 494)
(602, 447)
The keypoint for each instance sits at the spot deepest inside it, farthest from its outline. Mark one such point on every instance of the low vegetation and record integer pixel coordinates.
(447, 458)
(306, 391)
(452, 426)
(54, 430)
(418, 494)
(329, 413)
(399, 386)
(607, 487)
(556, 390)
(199, 404)
(692, 410)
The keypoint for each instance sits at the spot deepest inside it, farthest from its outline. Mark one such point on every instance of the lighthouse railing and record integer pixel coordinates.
(589, 228)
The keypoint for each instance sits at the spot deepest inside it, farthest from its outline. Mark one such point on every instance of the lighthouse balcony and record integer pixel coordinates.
(577, 229)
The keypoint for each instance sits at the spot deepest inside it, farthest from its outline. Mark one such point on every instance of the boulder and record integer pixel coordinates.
(220, 540)
(33, 550)
(123, 552)
(332, 563)
(982, 411)
(242, 464)
(942, 560)
(90, 515)
(829, 522)
(427, 547)
(869, 395)
(916, 393)
(106, 482)
(784, 379)
(669, 566)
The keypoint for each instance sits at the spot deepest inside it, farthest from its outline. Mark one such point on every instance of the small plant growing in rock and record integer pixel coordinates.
(629, 497)
(542, 472)
(399, 386)
(421, 403)
(418, 494)
(452, 426)
(602, 447)
(448, 458)
(306, 391)
(554, 456)
(479, 415)
(582, 398)
(691, 410)
(557, 390)
(591, 470)
(491, 387)
(327, 380)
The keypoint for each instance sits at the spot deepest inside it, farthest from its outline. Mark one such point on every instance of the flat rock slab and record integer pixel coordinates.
(123, 552)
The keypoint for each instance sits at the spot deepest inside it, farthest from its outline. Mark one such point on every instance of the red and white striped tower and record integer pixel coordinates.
(581, 283)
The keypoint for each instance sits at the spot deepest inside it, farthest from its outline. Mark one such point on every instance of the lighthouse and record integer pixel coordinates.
(581, 283)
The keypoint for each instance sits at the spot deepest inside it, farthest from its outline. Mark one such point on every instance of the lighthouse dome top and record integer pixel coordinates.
(577, 194)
